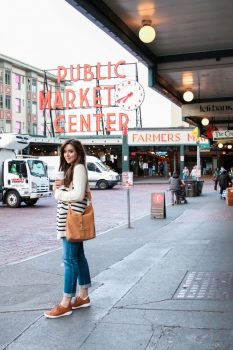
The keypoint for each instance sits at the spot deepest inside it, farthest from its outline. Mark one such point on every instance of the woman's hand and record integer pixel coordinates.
(57, 184)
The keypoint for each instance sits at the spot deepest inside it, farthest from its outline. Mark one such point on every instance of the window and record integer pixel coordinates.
(7, 77)
(17, 167)
(29, 84)
(34, 86)
(8, 102)
(37, 168)
(8, 126)
(28, 107)
(1, 75)
(18, 127)
(17, 82)
(18, 105)
(1, 101)
(34, 108)
(34, 129)
(92, 167)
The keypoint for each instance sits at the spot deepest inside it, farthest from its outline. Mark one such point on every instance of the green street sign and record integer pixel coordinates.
(204, 146)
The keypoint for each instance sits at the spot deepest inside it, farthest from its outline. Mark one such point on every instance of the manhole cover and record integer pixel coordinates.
(206, 285)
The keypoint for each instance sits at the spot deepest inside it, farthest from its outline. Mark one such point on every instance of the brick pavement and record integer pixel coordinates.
(27, 232)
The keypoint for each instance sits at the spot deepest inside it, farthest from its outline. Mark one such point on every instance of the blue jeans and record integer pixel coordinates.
(75, 268)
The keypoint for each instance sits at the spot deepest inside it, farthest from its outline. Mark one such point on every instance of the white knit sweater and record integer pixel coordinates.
(76, 194)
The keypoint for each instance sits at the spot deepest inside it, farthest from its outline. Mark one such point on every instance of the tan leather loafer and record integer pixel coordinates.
(79, 302)
(58, 311)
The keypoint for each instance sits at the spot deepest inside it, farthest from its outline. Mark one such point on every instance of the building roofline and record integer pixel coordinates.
(26, 67)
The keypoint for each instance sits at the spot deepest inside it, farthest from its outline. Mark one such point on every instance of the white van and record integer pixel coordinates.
(99, 175)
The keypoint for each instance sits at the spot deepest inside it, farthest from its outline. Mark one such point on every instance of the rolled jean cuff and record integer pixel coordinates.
(69, 295)
(85, 285)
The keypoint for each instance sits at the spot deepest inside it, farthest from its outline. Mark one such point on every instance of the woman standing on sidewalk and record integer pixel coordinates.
(73, 189)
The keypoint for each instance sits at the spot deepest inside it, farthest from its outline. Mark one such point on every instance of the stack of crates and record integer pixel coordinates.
(229, 196)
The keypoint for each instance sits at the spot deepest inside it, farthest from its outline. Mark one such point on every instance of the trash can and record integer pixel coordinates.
(199, 187)
(191, 188)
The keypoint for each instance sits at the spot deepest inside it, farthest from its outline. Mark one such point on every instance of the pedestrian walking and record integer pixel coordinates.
(224, 182)
(72, 190)
(175, 184)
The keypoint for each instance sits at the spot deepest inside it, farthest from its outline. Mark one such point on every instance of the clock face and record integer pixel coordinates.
(129, 95)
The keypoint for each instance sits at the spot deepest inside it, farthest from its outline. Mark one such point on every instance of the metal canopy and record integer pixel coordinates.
(193, 48)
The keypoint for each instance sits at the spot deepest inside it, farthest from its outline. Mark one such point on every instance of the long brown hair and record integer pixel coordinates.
(69, 168)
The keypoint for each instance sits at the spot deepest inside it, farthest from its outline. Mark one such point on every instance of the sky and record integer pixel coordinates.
(46, 34)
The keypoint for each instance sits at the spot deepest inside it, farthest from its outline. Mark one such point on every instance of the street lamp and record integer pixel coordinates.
(188, 96)
(205, 121)
(147, 33)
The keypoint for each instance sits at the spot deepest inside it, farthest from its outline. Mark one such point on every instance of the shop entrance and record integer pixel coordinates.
(110, 155)
(157, 161)
(226, 160)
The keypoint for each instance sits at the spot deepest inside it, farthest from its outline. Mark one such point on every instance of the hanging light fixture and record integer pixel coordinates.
(220, 145)
(147, 33)
(229, 146)
(188, 96)
(205, 121)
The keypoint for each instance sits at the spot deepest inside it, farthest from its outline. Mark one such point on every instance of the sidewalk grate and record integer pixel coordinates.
(206, 285)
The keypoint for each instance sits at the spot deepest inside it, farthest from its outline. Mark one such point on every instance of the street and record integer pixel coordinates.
(28, 231)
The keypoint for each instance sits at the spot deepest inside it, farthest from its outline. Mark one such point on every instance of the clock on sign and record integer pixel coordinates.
(129, 95)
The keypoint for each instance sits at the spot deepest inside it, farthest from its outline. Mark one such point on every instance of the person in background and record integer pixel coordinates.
(185, 173)
(150, 168)
(13, 169)
(175, 183)
(224, 182)
(231, 173)
(216, 178)
(204, 167)
(165, 168)
(222, 169)
(161, 168)
(72, 191)
(198, 172)
(145, 168)
(140, 168)
(193, 173)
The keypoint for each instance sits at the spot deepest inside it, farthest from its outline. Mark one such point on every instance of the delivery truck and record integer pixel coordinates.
(22, 179)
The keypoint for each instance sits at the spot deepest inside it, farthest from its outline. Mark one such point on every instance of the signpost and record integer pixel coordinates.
(127, 183)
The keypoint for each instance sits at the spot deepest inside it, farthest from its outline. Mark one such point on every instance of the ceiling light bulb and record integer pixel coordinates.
(229, 146)
(147, 33)
(188, 96)
(205, 121)
(220, 145)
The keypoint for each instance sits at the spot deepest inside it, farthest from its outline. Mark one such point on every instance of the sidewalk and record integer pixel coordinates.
(160, 180)
(165, 284)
